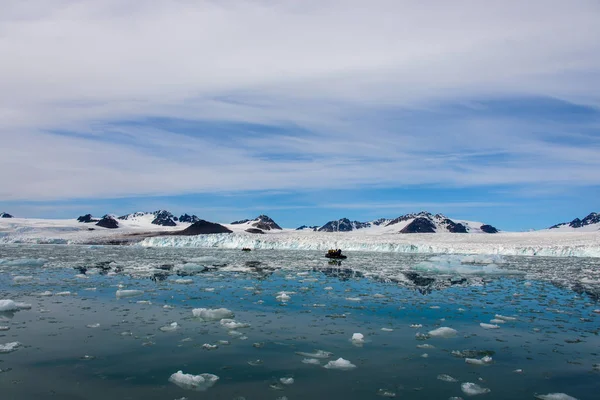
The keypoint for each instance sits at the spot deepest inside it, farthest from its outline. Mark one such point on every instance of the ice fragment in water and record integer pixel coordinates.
(316, 354)
(21, 279)
(446, 378)
(554, 396)
(96, 325)
(283, 296)
(488, 326)
(358, 338)
(387, 329)
(425, 346)
(233, 324)
(340, 363)
(312, 361)
(416, 326)
(476, 361)
(473, 389)
(208, 314)
(170, 328)
(505, 318)
(67, 293)
(286, 381)
(184, 281)
(45, 294)
(443, 332)
(208, 346)
(9, 347)
(193, 382)
(497, 321)
(10, 305)
(386, 393)
(4, 328)
(128, 293)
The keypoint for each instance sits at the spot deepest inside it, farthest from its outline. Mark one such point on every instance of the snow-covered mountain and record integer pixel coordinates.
(423, 222)
(262, 223)
(589, 223)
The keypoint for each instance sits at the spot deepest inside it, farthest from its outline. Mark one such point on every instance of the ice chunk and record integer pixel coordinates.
(208, 314)
(283, 296)
(443, 332)
(184, 281)
(286, 381)
(353, 298)
(387, 329)
(10, 305)
(498, 316)
(170, 328)
(193, 382)
(473, 389)
(416, 326)
(67, 293)
(9, 347)
(93, 325)
(425, 346)
(129, 293)
(4, 328)
(208, 346)
(357, 338)
(554, 396)
(316, 354)
(446, 378)
(233, 324)
(479, 361)
(45, 294)
(497, 321)
(340, 363)
(330, 288)
(386, 393)
(312, 361)
(488, 326)
(22, 279)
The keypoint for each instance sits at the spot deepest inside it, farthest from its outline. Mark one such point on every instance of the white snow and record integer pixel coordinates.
(443, 332)
(193, 382)
(208, 314)
(555, 242)
(340, 363)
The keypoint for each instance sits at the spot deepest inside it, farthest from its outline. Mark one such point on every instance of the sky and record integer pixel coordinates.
(306, 111)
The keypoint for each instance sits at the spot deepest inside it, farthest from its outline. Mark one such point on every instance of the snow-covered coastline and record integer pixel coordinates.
(550, 243)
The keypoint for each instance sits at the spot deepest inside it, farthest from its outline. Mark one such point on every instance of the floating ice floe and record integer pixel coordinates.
(488, 326)
(4, 328)
(66, 293)
(357, 339)
(184, 281)
(473, 389)
(505, 318)
(425, 346)
(208, 314)
(316, 354)
(193, 382)
(554, 396)
(330, 288)
(387, 329)
(416, 326)
(286, 381)
(208, 346)
(485, 360)
(497, 321)
(9, 347)
(22, 279)
(170, 328)
(446, 378)
(386, 393)
(340, 363)
(283, 296)
(311, 361)
(96, 325)
(232, 324)
(443, 332)
(128, 293)
(353, 298)
(10, 305)
(47, 293)
(82, 276)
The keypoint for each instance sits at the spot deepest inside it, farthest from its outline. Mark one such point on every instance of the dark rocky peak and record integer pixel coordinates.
(592, 218)
(164, 218)
(343, 225)
(189, 218)
(108, 221)
(406, 217)
(419, 225)
(380, 221)
(488, 229)
(87, 218)
(132, 215)
(453, 227)
(202, 227)
(5, 215)
(266, 223)
(242, 221)
(312, 228)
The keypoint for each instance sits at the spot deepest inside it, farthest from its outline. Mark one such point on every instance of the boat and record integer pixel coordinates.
(335, 254)
(246, 249)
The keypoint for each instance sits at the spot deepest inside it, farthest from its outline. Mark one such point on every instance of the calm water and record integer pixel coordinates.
(65, 354)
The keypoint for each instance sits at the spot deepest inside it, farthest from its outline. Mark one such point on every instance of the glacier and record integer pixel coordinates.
(543, 244)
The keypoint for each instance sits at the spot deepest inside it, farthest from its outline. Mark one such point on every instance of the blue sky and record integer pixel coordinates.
(306, 111)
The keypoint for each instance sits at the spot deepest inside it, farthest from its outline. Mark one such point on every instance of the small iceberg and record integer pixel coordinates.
(311, 361)
(9, 347)
(479, 361)
(341, 364)
(488, 326)
(10, 305)
(170, 328)
(554, 396)
(207, 314)
(233, 324)
(446, 378)
(128, 293)
(193, 382)
(286, 381)
(357, 339)
(443, 332)
(316, 354)
(473, 389)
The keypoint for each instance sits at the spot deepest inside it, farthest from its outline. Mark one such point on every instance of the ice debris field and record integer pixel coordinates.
(100, 322)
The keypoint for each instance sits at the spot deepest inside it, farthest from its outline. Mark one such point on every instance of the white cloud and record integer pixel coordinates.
(322, 66)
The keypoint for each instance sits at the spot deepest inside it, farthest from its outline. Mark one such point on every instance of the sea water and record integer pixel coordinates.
(103, 322)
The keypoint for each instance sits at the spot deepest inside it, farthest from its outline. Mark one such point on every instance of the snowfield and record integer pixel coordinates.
(550, 243)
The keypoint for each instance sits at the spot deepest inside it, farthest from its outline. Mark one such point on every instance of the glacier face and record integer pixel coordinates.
(517, 244)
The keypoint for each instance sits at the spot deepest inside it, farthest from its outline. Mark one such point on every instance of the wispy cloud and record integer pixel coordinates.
(310, 95)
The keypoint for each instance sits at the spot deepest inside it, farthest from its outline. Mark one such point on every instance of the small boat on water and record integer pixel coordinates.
(335, 254)
(246, 249)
